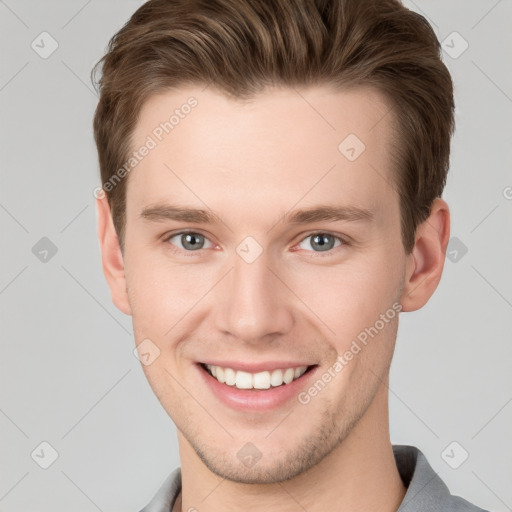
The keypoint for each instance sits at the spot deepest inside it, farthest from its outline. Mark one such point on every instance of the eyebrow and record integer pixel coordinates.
(329, 213)
(161, 212)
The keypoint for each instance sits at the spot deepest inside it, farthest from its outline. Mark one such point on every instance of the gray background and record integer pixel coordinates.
(68, 373)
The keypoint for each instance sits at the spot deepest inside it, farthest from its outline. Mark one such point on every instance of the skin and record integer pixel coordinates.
(251, 162)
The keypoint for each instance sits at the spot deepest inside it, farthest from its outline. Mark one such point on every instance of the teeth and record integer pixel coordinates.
(276, 379)
(220, 374)
(243, 380)
(288, 375)
(261, 380)
(230, 376)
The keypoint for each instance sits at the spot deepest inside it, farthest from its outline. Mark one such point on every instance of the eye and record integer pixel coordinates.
(189, 241)
(322, 242)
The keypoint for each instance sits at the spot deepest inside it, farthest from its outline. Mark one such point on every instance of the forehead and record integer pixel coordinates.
(277, 148)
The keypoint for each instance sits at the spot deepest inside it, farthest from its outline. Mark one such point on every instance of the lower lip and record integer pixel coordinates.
(255, 399)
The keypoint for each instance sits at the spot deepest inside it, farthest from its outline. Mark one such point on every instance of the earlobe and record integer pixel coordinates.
(426, 262)
(111, 256)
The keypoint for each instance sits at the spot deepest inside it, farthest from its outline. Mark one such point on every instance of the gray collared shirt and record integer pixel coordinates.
(426, 492)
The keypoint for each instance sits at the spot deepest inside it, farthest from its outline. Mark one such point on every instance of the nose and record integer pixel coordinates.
(252, 304)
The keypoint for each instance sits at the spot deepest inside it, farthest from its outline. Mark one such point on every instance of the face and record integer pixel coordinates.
(254, 284)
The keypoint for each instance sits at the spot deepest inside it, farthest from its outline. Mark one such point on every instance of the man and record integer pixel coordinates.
(272, 176)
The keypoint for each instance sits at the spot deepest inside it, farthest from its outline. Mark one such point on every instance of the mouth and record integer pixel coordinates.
(261, 390)
(261, 380)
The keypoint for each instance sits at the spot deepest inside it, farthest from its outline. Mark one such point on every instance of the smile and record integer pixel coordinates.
(260, 380)
(256, 387)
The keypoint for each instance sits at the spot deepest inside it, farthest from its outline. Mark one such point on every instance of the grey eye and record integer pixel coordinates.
(189, 241)
(322, 242)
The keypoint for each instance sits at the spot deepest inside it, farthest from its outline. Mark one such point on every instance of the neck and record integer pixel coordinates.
(360, 474)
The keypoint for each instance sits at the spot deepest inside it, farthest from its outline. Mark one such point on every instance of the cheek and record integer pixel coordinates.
(160, 294)
(348, 298)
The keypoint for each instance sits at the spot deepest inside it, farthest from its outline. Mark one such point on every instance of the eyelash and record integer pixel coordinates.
(317, 254)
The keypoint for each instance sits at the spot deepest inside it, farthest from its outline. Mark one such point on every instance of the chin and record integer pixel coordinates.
(268, 467)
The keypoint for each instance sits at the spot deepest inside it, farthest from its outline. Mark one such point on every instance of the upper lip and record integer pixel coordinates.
(254, 367)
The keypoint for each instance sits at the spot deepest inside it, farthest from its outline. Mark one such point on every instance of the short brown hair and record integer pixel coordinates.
(242, 46)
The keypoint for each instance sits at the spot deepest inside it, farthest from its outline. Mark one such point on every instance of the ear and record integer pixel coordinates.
(425, 263)
(111, 256)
